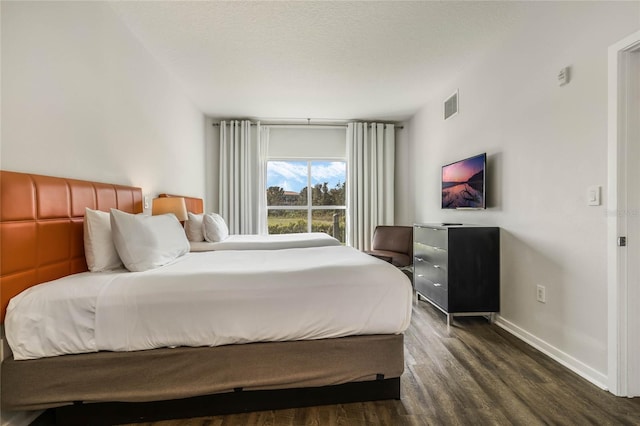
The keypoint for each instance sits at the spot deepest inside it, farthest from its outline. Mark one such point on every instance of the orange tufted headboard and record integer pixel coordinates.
(41, 232)
(194, 205)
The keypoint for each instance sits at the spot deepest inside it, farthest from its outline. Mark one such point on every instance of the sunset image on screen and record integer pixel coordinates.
(463, 184)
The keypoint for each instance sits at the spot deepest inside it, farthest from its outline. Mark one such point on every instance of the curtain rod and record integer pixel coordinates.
(311, 126)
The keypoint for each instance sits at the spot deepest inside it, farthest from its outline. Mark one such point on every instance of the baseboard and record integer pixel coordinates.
(18, 418)
(573, 364)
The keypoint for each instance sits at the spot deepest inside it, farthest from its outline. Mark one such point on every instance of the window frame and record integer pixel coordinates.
(309, 206)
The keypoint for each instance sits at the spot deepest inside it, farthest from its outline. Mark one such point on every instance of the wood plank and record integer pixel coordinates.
(470, 373)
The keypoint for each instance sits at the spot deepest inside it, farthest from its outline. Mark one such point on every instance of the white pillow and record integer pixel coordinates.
(147, 242)
(99, 250)
(193, 227)
(214, 228)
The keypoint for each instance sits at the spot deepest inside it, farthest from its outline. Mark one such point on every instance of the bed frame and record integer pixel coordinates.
(41, 231)
(41, 238)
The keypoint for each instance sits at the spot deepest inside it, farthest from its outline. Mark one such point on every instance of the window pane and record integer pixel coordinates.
(287, 186)
(330, 221)
(287, 221)
(287, 183)
(328, 183)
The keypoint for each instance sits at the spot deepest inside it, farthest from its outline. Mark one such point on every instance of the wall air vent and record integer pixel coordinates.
(451, 105)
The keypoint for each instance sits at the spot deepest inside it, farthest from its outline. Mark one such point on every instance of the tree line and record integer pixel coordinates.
(321, 195)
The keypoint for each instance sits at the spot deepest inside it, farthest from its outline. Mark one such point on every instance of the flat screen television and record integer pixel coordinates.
(463, 183)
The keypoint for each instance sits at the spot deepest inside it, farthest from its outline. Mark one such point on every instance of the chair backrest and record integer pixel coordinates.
(393, 238)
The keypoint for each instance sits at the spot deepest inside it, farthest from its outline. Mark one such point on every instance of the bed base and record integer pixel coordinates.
(239, 401)
(129, 387)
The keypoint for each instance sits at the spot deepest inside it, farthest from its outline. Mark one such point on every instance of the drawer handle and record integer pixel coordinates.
(436, 266)
(437, 284)
(420, 275)
(419, 260)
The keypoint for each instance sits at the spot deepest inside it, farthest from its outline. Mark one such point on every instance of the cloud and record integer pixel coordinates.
(286, 186)
(329, 170)
(332, 172)
(292, 175)
(288, 173)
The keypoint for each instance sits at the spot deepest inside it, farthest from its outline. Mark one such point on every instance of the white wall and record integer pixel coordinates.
(82, 98)
(546, 144)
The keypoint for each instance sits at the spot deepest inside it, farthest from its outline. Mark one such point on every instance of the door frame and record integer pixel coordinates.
(622, 351)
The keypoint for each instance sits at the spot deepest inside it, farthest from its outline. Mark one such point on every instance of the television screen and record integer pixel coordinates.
(463, 183)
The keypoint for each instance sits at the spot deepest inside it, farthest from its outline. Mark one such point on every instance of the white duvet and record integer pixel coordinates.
(267, 242)
(210, 299)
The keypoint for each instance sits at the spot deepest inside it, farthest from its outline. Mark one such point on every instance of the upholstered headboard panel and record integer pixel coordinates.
(194, 205)
(41, 232)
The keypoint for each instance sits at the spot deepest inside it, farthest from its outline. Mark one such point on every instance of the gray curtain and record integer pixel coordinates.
(370, 187)
(242, 175)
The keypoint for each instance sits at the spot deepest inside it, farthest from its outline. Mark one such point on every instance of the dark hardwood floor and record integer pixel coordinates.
(473, 373)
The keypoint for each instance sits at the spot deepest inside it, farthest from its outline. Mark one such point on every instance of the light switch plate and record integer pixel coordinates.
(593, 196)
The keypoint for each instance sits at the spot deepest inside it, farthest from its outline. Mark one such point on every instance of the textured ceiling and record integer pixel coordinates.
(334, 60)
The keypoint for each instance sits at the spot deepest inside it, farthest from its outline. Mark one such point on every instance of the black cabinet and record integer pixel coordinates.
(457, 268)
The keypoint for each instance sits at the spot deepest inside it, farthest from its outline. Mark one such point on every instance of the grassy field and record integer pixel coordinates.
(283, 221)
(287, 225)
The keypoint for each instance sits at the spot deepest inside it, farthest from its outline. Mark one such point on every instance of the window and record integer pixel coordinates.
(289, 207)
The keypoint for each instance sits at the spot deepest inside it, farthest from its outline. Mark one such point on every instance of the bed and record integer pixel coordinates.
(254, 241)
(267, 242)
(41, 230)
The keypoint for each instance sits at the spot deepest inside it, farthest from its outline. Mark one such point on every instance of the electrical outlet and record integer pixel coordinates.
(541, 294)
(147, 200)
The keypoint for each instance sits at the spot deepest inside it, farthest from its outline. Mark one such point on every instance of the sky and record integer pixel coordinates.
(462, 170)
(292, 175)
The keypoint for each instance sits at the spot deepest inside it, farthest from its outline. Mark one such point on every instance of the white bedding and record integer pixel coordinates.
(267, 242)
(210, 299)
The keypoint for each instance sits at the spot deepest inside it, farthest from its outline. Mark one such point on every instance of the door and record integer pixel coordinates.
(624, 217)
(633, 222)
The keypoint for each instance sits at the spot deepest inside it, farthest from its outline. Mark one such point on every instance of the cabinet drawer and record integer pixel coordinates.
(435, 256)
(437, 276)
(431, 237)
(435, 292)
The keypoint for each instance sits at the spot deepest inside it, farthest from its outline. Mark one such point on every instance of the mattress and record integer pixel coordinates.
(212, 299)
(268, 242)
